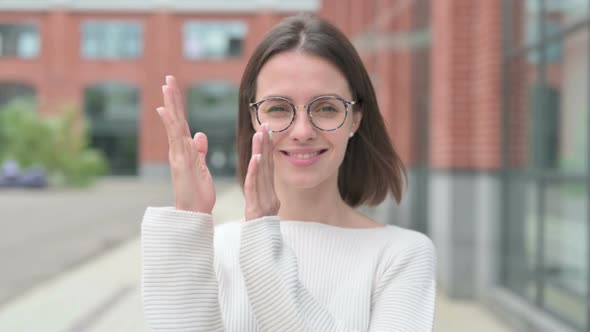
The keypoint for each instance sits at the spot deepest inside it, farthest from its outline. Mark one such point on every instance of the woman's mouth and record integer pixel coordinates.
(303, 158)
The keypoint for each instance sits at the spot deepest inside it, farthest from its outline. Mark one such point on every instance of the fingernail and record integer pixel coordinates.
(159, 110)
(266, 126)
(164, 88)
(258, 157)
(260, 136)
(168, 78)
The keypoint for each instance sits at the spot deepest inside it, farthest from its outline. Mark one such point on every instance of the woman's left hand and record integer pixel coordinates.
(259, 189)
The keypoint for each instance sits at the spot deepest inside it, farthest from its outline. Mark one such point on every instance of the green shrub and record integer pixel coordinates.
(56, 143)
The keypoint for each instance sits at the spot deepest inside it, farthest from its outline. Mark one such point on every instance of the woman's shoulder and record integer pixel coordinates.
(408, 252)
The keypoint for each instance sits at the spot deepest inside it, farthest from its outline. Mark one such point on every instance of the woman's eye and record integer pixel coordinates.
(277, 109)
(326, 109)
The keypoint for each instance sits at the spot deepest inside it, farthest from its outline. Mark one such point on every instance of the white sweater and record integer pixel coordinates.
(271, 275)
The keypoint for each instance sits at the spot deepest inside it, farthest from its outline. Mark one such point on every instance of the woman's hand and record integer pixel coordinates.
(193, 185)
(259, 189)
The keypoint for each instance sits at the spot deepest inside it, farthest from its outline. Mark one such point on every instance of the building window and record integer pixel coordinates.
(10, 92)
(112, 109)
(546, 214)
(19, 40)
(214, 39)
(111, 39)
(212, 109)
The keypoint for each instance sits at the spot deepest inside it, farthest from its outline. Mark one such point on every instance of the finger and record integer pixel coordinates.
(269, 168)
(262, 130)
(168, 102)
(165, 117)
(201, 146)
(264, 185)
(257, 143)
(250, 188)
(270, 161)
(176, 96)
(178, 123)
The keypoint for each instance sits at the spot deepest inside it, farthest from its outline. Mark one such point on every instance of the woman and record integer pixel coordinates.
(311, 146)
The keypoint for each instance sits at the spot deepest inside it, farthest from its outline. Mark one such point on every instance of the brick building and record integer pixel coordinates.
(486, 101)
(488, 104)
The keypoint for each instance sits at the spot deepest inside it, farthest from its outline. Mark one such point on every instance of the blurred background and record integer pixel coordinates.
(487, 103)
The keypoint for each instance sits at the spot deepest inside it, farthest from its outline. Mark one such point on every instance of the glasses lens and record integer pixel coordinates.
(327, 113)
(277, 113)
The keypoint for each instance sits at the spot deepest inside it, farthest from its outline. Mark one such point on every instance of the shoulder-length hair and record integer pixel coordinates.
(371, 168)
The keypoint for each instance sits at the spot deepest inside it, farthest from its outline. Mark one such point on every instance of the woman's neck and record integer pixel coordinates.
(320, 204)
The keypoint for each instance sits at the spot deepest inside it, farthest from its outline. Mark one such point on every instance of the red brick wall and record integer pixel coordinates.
(465, 95)
(59, 75)
(487, 84)
(466, 76)
(391, 69)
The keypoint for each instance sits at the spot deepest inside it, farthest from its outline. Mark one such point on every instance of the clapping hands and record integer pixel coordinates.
(194, 189)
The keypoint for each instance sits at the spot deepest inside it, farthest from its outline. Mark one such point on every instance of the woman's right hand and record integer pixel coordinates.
(193, 185)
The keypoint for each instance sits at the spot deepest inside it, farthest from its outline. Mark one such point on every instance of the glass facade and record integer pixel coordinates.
(19, 40)
(111, 110)
(111, 39)
(546, 183)
(214, 39)
(212, 109)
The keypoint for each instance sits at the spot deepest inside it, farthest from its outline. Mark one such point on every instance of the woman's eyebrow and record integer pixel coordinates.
(312, 98)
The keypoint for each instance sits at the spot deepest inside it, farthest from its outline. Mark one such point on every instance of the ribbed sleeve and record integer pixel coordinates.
(403, 299)
(180, 290)
(404, 296)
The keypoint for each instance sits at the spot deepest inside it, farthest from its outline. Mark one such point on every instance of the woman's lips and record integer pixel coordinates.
(303, 158)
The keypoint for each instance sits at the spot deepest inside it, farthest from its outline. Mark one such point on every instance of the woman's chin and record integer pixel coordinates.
(301, 181)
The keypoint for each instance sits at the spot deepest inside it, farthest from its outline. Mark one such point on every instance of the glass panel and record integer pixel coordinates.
(566, 251)
(10, 92)
(569, 80)
(112, 110)
(213, 39)
(19, 40)
(212, 109)
(557, 105)
(531, 20)
(520, 242)
(560, 14)
(548, 129)
(111, 40)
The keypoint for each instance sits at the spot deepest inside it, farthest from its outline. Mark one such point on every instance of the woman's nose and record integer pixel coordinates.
(302, 129)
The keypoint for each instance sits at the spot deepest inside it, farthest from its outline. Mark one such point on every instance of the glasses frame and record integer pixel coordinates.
(255, 106)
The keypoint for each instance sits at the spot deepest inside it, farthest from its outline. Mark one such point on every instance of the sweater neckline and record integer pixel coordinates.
(332, 227)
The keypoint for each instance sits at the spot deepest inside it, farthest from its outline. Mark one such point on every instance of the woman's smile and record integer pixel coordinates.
(303, 157)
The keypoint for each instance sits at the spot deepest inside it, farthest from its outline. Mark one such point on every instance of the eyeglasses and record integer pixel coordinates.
(326, 113)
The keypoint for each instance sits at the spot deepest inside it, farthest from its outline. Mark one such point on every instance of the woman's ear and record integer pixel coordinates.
(253, 119)
(357, 116)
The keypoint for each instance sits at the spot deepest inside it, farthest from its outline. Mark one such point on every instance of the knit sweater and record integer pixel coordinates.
(273, 275)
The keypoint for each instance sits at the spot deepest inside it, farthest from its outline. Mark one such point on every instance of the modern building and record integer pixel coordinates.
(488, 103)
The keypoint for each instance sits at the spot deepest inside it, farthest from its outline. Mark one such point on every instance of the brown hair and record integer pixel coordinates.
(371, 168)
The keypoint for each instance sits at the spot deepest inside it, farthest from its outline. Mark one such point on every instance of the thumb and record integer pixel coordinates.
(202, 145)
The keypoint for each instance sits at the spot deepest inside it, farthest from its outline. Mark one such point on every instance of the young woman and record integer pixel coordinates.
(312, 146)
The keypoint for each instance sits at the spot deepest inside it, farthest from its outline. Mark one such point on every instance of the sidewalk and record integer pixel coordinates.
(104, 294)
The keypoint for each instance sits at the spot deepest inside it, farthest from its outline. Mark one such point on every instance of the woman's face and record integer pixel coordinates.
(304, 156)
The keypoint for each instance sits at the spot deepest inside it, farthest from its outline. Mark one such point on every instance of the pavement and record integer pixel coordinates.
(97, 288)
